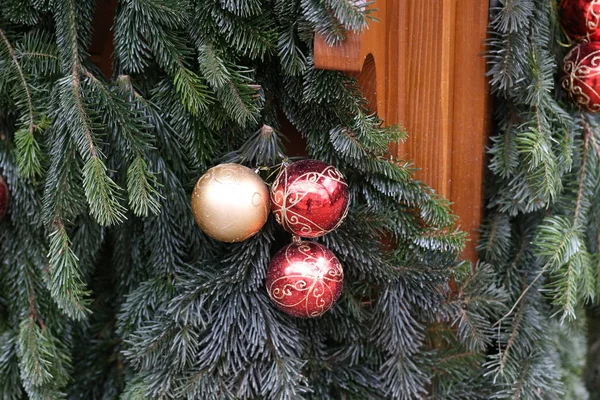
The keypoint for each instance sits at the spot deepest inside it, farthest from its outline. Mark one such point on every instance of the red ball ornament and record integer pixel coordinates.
(305, 279)
(310, 198)
(581, 19)
(3, 198)
(582, 76)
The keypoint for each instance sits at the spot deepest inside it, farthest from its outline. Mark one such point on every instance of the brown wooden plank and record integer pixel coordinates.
(471, 120)
(426, 62)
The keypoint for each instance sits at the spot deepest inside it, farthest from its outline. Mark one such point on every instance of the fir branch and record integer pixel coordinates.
(592, 138)
(523, 294)
(64, 197)
(495, 240)
(67, 24)
(242, 8)
(212, 65)
(29, 153)
(324, 21)
(135, 389)
(19, 12)
(127, 122)
(44, 360)
(504, 159)
(542, 170)
(568, 287)
(120, 117)
(194, 94)
(36, 361)
(32, 301)
(9, 366)
(475, 302)
(517, 392)
(100, 191)
(253, 36)
(39, 54)
(238, 98)
(292, 58)
(582, 172)
(87, 147)
(24, 83)
(143, 198)
(516, 324)
(261, 148)
(352, 13)
(514, 15)
(65, 281)
(36, 54)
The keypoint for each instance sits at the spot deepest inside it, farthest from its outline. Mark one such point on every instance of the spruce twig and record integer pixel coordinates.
(24, 83)
(586, 140)
(523, 293)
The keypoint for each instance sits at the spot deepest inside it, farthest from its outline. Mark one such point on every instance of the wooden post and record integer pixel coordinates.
(429, 77)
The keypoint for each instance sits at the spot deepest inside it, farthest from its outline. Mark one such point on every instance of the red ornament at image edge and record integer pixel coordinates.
(3, 198)
(582, 76)
(304, 279)
(310, 198)
(581, 19)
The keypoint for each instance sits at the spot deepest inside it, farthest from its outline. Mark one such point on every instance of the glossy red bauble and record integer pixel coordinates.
(3, 198)
(305, 279)
(582, 76)
(581, 19)
(310, 198)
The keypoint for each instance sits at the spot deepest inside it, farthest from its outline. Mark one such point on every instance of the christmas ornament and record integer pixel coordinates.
(3, 198)
(581, 19)
(230, 203)
(310, 198)
(582, 76)
(305, 279)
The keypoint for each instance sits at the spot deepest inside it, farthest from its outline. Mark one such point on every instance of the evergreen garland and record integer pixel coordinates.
(108, 289)
(542, 226)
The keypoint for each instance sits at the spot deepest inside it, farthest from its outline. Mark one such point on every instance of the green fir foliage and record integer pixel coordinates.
(541, 232)
(109, 290)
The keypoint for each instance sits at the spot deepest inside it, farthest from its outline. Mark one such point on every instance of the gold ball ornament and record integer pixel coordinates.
(230, 203)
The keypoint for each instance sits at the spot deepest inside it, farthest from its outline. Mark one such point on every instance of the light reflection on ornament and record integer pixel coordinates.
(230, 203)
(310, 198)
(304, 279)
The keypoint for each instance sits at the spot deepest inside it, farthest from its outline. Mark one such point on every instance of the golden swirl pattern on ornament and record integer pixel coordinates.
(311, 289)
(287, 200)
(578, 71)
(593, 17)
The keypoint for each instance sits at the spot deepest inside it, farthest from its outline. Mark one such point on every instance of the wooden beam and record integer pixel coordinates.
(471, 118)
(426, 66)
